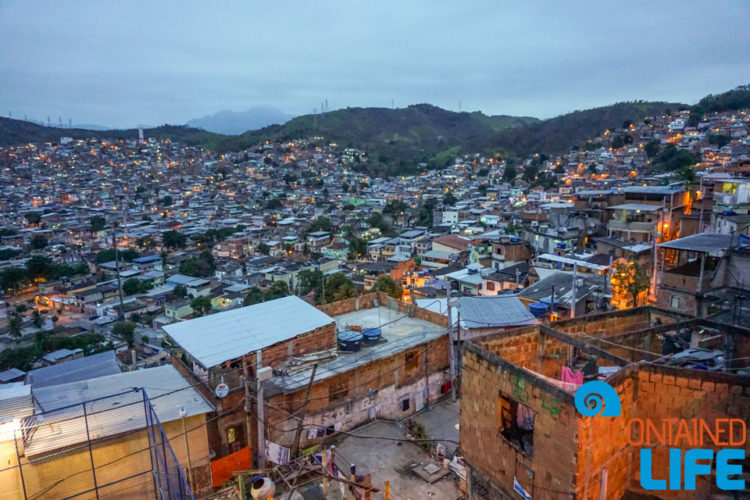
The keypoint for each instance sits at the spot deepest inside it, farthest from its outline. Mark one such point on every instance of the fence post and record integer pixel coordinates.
(150, 434)
(91, 454)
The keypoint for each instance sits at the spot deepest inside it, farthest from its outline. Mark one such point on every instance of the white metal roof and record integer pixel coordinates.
(165, 387)
(214, 339)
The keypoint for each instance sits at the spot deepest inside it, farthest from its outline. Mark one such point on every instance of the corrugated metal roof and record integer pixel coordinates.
(10, 374)
(165, 387)
(96, 365)
(15, 401)
(703, 242)
(488, 312)
(214, 339)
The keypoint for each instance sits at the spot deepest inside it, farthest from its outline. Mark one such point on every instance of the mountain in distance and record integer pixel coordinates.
(236, 122)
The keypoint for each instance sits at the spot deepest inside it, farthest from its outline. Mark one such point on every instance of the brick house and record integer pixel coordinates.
(554, 452)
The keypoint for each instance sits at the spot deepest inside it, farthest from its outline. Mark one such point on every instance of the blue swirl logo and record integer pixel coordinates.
(598, 398)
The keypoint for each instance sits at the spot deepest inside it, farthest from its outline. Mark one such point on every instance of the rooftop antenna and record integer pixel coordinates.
(49, 123)
(70, 123)
(59, 119)
(459, 106)
(10, 114)
(327, 109)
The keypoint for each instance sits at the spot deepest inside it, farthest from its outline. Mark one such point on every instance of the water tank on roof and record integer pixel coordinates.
(561, 245)
(371, 335)
(350, 341)
(538, 309)
(515, 239)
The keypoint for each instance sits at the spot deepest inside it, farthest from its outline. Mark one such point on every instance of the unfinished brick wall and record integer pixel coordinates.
(553, 464)
(323, 337)
(605, 324)
(390, 378)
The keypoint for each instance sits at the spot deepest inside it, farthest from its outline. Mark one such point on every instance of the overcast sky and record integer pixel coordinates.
(120, 63)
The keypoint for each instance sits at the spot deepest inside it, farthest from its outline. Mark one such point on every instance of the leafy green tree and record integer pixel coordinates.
(107, 255)
(13, 278)
(310, 280)
(320, 224)
(264, 249)
(97, 223)
(179, 291)
(273, 204)
(39, 266)
(173, 239)
(357, 248)
(718, 139)
(189, 267)
(530, 172)
(14, 326)
(449, 198)
(37, 242)
(673, 159)
(687, 174)
(388, 285)
(378, 221)
(277, 290)
(166, 201)
(652, 148)
(338, 287)
(8, 253)
(21, 308)
(36, 319)
(637, 280)
(395, 207)
(33, 218)
(201, 306)
(125, 330)
(145, 242)
(509, 174)
(131, 286)
(254, 296)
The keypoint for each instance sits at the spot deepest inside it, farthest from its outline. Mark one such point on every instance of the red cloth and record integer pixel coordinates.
(571, 377)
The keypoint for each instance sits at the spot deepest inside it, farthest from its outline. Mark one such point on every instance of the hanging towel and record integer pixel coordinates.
(525, 417)
(571, 377)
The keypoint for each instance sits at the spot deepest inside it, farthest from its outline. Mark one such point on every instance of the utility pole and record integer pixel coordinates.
(121, 314)
(452, 347)
(301, 413)
(248, 404)
(458, 342)
(573, 292)
(261, 417)
(552, 303)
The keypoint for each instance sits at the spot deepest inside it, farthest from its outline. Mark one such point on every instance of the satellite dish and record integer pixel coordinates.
(222, 389)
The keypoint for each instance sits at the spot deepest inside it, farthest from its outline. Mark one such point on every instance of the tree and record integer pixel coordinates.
(338, 287)
(189, 267)
(36, 319)
(718, 139)
(146, 242)
(173, 239)
(449, 198)
(201, 306)
(687, 174)
(179, 291)
(273, 204)
(673, 159)
(277, 290)
(321, 224)
(33, 218)
(125, 330)
(652, 148)
(254, 296)
(37, 242)
(264, 249)
(509, 174)
(97, 223)
(389, 286)
(633, 280)
(12, 278)
(357, 248)
(107, 255)
(166, 201)
(395, 207)
(134, 285)
(21, 308)
(39, 266)
(14, 326)
(310, 280)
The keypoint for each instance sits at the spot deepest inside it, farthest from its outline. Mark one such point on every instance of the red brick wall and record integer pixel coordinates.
(554, 454)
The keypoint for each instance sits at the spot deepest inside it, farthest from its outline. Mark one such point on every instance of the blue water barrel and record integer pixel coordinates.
(350, 341)
(538, 309)
(371, 335)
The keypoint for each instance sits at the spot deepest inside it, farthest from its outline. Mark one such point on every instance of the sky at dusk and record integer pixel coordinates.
(130, 62)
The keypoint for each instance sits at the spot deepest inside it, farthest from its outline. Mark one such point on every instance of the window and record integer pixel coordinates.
(337, 391)
(490, 286)
(411, 360)
(515, 422)
(676, 302)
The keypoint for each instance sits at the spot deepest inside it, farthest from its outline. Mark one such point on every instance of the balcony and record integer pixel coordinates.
(686, 277)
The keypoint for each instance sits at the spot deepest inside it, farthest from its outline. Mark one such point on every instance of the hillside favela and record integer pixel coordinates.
(416, 251)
